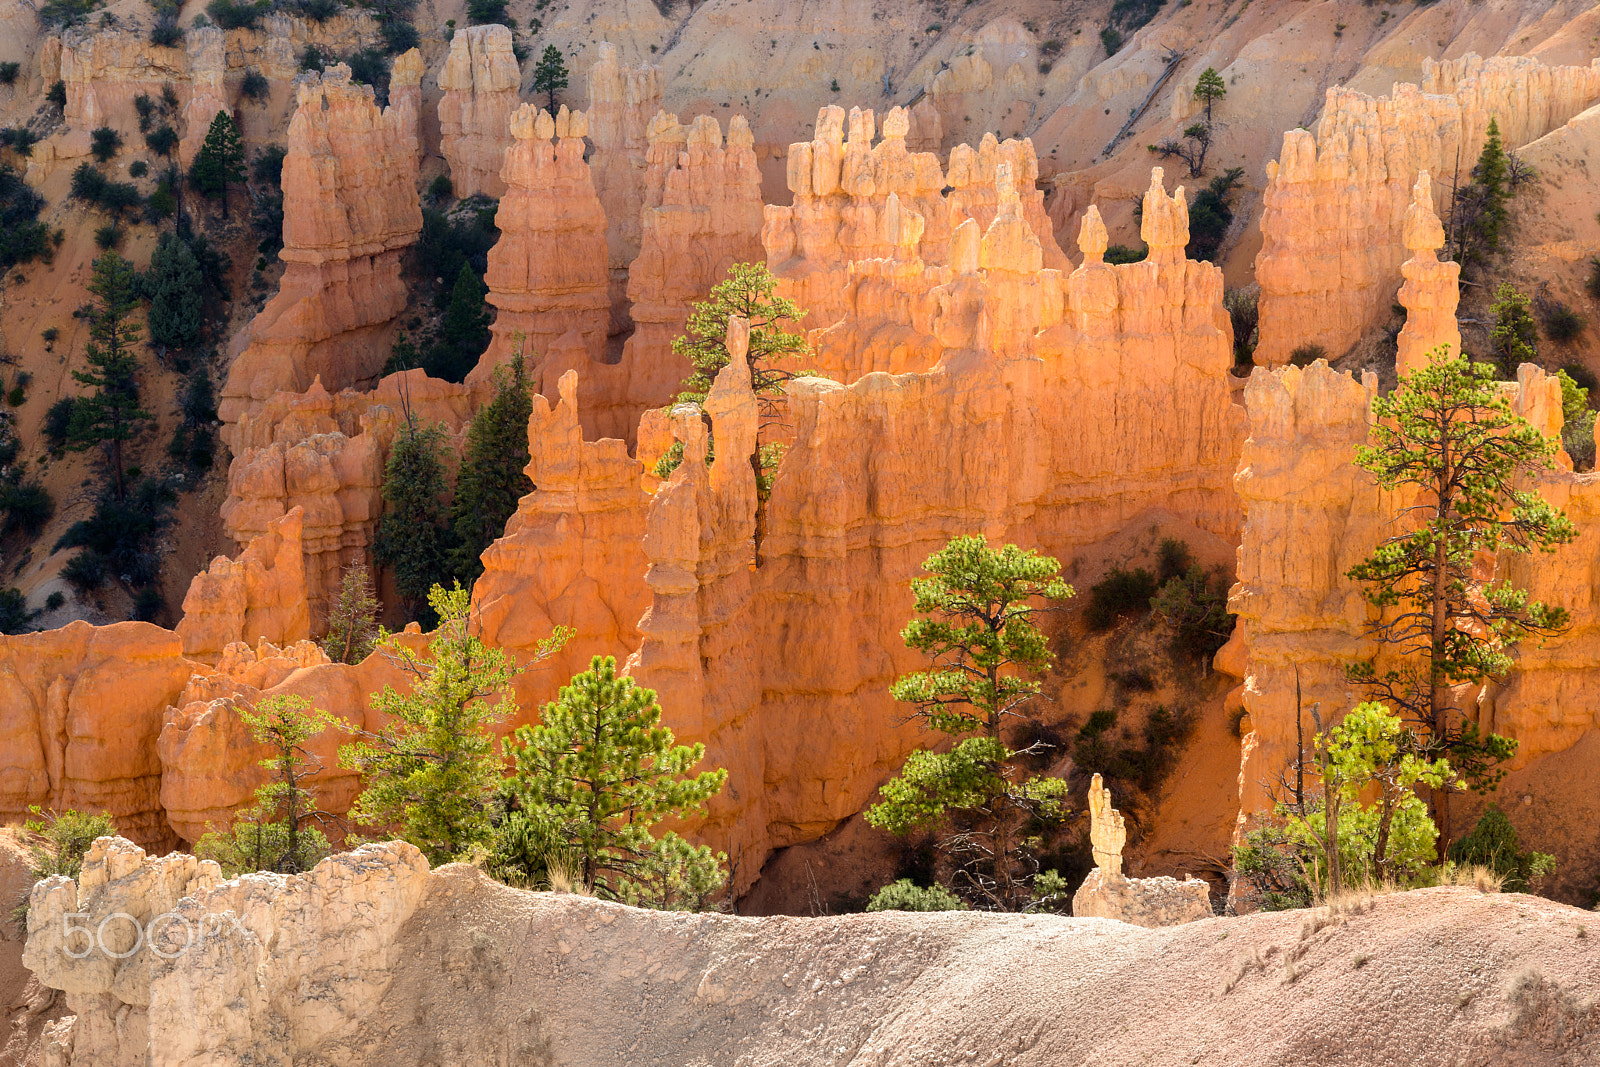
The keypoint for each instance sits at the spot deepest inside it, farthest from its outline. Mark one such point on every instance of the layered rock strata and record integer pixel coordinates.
(479, 83)
(261, 595)
(1333, 212)
(1431, 289)
(350, 207)
(623, 107)
(547, 273)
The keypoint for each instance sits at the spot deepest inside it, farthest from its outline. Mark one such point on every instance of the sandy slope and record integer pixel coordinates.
(1445, 976)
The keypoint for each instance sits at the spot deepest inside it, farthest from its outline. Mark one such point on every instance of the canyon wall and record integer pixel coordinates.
(479, 83)
(1333, 211)
(623, 105)
(349, 209)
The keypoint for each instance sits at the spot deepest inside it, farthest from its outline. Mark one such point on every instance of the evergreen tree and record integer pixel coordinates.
(269, 836)
(463, 330)
(598, 772)
(1478, 214)
(353, 619)
(220, 161)
(110, 416)
(550, 75)
(175, 288)
(1447, 437)
(413, 538)
(432, 773)
(492, 479)
(1514, 335)
(978, 631)
(1208, 89)
(748, 293)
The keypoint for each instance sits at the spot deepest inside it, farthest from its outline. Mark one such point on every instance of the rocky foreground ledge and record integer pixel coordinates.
(373, 959)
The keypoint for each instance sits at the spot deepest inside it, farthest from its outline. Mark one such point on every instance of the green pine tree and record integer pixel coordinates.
(271, 835)
(463, 330)
(1478, 215)
(550, 75)
(353, 619)
(432, 774)
(598, 772)
(175, 287)
(110, 416)
(1514, 335)
(977, 628)
(492, 479)
(1447, 435)
(220, 161)
(413, 535)
(746, 292)
(1209, 88)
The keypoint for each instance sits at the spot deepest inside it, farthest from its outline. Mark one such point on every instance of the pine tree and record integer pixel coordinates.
(413, 538)
(598, 772)
(978, 631)
(747, 292)
(1492, 176)
(1447, 435)
(220, 161)
(432, 773)
(1515, 335)
(463, 330)
(1209, 88)
(550, 75)
(492, 479)
(175, 288)
(353, 619)
(269, 836)
(110, 416)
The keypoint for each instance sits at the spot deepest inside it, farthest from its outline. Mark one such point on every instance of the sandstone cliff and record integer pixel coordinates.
(350, 206)
(1333, 212)
(479, 81)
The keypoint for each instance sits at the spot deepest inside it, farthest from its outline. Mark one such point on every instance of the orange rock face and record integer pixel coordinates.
(479, 81)
(1431, 289)
(83, 707)
(350, 207)
(547, 273)
(207, 64)
(1333, 213)
(622, 108)
(706, 216)
(259, 596)
(1310, 515)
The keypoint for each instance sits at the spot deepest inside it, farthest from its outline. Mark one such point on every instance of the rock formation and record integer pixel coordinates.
(706, 216)
(259, 596)
(207, 64)
(1431, 289)
(405, 96)
(350, 207)
(1107, 894)
(479, 81)
(83, 708)
(325, 455)
(572, 555)
(1333, 212)
(547, 273)
(623, 107)
(188, 969)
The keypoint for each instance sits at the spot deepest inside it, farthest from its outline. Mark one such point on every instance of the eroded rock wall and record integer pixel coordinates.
(479, 81)
(350, 207)
(1333, 212)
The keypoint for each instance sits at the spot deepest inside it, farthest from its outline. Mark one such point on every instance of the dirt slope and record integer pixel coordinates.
(1445, 976)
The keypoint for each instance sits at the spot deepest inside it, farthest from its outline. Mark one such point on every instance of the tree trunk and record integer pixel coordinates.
(761, 505)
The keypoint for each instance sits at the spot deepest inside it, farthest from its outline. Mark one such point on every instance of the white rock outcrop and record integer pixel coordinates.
(167, 965)
(1108, 894)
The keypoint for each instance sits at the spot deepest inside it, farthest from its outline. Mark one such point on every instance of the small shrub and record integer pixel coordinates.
(166, 33)
(86, 571)
(1307, 354)
(163, 140)
(1119, 593)
(17, 396)
(54, 601)
(485, 12)
(1196, 604)
(147, 604)
(440, 188)
(138, 169)
(1563, 325)
(255, 86)
(8, 72)
(906, 895)
(1592, 285)
(57, 94)
(19, 139)
(834, 85)
(108, 236)
(233, 15)
(28, 506)
(1111, 40)
(319, 11)
(313, 59)
(399, 36)
(267, 167)
(1119, 254)
(58, 419)
(1493, 843)
(49, 333)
